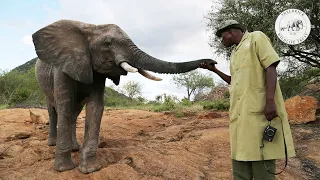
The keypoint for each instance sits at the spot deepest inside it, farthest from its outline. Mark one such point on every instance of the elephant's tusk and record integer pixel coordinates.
(148, 75)
(128, 67)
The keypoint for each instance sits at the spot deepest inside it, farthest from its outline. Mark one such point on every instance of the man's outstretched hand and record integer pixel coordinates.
(209, 64)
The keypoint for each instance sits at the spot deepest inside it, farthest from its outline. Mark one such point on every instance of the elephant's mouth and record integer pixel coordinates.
(127, 67)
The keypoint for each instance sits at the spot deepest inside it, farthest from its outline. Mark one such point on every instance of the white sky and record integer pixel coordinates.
(169, 30)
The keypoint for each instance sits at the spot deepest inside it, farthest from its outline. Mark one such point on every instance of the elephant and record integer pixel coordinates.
(74, 60)
(295, 25)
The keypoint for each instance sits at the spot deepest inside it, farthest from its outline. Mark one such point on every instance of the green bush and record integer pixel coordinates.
(186, 102)
(112, 98)
(162, 107)
(223, 104)
(114, 101)
(20, 88)
(3, 106)
(19, 96)
(168, 103)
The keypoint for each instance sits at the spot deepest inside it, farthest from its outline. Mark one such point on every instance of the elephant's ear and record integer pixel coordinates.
(63, 44)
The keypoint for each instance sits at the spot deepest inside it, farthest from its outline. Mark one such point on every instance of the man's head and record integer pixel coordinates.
(231, 32)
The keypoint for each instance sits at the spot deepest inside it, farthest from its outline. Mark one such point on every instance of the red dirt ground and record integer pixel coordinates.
(137, 144)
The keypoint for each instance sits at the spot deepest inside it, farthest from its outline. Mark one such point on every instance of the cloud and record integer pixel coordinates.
(27, 40)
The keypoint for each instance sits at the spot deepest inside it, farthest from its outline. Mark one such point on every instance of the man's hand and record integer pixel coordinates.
(270, 110)
(210, 65)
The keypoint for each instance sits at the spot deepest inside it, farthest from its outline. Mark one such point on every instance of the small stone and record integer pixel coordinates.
(167, 113)
(102, 144)
(128, 160)
(22, 135)
(142, 133)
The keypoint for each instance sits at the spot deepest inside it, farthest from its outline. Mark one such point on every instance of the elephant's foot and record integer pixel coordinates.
(75, 146)
(63, 164)
(52, 141)
(89, 165)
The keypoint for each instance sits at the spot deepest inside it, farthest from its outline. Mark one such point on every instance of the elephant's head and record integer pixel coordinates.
(78, 49)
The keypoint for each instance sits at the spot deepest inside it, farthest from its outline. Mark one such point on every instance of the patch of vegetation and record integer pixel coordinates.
(20, 88)
(165, 103)
(294, 84)
(3, 106)
(113, 98)
(219, 105)
(26, 66)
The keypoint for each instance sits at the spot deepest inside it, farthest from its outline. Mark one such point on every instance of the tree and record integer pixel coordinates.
(260, 15)
(132, 89)
(194, 81)
(300, 80)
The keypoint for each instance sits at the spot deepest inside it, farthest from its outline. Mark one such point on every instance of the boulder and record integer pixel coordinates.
(37, 117)
(301, 109)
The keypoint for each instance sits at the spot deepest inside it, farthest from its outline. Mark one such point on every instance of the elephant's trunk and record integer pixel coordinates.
(142, 60)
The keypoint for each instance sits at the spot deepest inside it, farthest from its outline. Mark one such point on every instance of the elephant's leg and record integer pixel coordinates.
(94, 110)
(52, 125)
(75, 145)
(65, 106)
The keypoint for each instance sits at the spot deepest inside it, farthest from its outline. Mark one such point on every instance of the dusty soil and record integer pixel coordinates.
(136, 144)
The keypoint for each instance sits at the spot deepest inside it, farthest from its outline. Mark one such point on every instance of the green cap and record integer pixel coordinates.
(227, 25)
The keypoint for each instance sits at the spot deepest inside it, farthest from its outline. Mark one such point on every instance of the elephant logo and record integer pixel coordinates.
(292, 26)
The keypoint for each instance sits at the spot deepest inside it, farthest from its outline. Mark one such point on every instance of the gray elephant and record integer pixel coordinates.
(75, 58)
(295, 25)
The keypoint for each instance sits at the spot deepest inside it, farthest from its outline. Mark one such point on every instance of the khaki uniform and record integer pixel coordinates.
(248, 98)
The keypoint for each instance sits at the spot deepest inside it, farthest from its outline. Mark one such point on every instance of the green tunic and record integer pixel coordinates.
(248, 98)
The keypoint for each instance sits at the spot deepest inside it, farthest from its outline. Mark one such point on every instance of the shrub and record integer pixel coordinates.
(167, 106)
(163, 107)
(186, 102)
(223, 104)
(19, 96)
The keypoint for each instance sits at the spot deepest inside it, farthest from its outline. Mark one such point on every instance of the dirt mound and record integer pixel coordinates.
(137, 144)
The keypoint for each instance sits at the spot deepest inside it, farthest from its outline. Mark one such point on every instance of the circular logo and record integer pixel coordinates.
(292, 26)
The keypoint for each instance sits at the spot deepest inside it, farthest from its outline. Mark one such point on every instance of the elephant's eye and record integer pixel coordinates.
(107, 42)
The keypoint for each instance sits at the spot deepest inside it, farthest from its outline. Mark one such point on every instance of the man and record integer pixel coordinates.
(255, 99)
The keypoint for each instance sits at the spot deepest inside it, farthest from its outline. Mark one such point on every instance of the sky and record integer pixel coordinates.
(170, 30)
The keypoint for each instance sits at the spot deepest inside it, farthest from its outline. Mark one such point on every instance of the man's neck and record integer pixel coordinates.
(239, 37)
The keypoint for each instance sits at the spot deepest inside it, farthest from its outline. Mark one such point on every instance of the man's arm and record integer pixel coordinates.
(271, 80)
(225, 77)
(212, 67)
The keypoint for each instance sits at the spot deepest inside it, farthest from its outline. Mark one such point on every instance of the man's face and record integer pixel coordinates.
(227, 38)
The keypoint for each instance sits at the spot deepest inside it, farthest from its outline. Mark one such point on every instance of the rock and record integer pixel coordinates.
(13, 151)
(301, 109)
(37, 118)
(127, 160)
(22, 135)
(102, 144)
(19, 135)
(167, 112)
(210, 115)
(142, 133)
